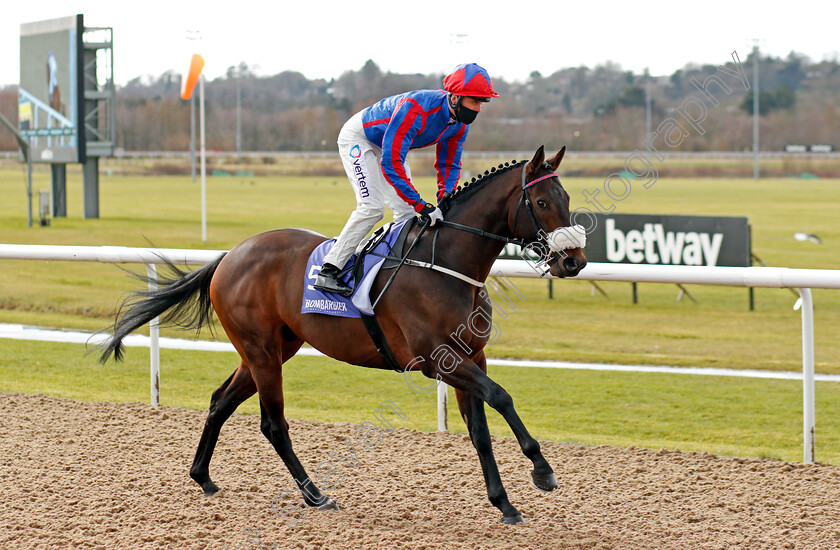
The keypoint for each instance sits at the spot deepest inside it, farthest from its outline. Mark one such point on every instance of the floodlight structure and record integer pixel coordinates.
(66, 102)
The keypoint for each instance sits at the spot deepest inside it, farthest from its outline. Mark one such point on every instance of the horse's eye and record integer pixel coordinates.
(542, 204)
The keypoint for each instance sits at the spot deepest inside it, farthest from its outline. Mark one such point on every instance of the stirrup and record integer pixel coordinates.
(331, 283)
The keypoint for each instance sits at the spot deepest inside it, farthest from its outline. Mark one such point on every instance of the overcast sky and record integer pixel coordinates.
(510, 39)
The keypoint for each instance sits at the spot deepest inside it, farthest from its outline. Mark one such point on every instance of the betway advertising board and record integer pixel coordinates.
(669, 240)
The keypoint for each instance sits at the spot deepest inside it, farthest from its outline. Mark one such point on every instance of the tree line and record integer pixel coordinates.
(603, 108)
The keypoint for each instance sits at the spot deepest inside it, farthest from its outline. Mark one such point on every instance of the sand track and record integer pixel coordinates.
(114, 475)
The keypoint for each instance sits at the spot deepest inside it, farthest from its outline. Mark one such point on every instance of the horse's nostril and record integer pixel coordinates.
(572, 265)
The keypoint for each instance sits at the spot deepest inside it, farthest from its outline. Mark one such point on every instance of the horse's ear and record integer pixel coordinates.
(537, 161)
(557, 159)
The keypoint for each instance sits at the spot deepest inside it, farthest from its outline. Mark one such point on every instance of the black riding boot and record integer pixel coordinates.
(328, 281)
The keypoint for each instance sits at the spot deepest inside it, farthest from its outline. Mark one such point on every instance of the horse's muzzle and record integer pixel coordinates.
(568, 264)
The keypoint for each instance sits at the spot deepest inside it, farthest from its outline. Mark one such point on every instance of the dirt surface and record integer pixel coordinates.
(114, 475)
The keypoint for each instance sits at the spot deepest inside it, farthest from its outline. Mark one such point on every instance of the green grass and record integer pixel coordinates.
(730, 416)
(575, 325)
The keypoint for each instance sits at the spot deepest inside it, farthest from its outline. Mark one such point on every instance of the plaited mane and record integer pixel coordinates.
(478, 182)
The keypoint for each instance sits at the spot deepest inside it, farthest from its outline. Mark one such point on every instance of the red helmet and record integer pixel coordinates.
(470, 80)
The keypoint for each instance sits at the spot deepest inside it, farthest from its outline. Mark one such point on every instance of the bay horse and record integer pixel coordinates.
(256, 291)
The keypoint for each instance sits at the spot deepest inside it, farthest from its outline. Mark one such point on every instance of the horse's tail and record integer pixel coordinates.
(182, 298)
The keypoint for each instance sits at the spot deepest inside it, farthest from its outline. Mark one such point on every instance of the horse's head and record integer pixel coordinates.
(541, 216)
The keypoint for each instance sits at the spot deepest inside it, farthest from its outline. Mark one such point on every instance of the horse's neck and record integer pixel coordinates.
(472, 254)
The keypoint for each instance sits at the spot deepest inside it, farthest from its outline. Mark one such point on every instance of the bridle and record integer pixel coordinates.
(539, 227)
(525, 200)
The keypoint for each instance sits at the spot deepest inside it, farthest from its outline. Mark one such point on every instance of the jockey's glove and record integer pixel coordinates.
(431, 213)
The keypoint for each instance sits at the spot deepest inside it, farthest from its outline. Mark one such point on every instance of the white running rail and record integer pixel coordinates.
(803, 280)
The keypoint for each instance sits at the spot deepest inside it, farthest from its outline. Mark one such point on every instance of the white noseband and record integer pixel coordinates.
(565, 238)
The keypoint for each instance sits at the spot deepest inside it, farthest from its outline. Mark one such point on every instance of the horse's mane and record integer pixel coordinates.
(469, 188)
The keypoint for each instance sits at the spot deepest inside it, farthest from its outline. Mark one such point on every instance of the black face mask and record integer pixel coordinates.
(465, 115)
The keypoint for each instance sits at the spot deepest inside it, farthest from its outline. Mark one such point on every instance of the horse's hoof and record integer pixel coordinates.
(329, 504)
(210, 489)
(544, 482)
(513, 520)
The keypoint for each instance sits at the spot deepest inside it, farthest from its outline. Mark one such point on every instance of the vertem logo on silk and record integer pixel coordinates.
(361, 181)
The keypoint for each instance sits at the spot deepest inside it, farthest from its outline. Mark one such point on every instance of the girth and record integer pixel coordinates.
(392, 260)
(379, 340)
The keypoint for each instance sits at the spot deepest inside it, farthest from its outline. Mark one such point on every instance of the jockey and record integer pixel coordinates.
(373, 146)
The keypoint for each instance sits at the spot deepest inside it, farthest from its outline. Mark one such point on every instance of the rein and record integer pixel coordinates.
(403, 261)
(525, 199)
(370, 322)
(482, 233)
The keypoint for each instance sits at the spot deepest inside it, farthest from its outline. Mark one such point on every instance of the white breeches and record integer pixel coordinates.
(361, 161)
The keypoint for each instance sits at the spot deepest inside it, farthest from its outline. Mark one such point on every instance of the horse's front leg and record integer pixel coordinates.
(471, 377)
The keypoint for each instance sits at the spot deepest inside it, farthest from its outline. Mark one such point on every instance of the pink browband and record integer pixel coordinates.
(530, 183)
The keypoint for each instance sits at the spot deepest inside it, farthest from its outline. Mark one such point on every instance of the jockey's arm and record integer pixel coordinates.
(448, 161)
(399, 135)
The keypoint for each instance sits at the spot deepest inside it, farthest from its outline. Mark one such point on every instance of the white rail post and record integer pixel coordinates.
(442, 402)
(808, 405)
(154, 343)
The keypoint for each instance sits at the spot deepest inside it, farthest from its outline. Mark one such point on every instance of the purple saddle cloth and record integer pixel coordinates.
(330, 303)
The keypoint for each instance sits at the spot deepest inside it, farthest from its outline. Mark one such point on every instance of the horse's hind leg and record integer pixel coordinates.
(276, 429)
(227, 397)
(472, 409)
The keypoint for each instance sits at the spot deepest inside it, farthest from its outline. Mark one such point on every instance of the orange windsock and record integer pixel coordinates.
(188, 83)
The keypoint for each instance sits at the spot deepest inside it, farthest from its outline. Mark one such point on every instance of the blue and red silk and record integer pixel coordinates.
(414, 120)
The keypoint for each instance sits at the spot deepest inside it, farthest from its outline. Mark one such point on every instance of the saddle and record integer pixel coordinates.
(360, 273)
(392, 259)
